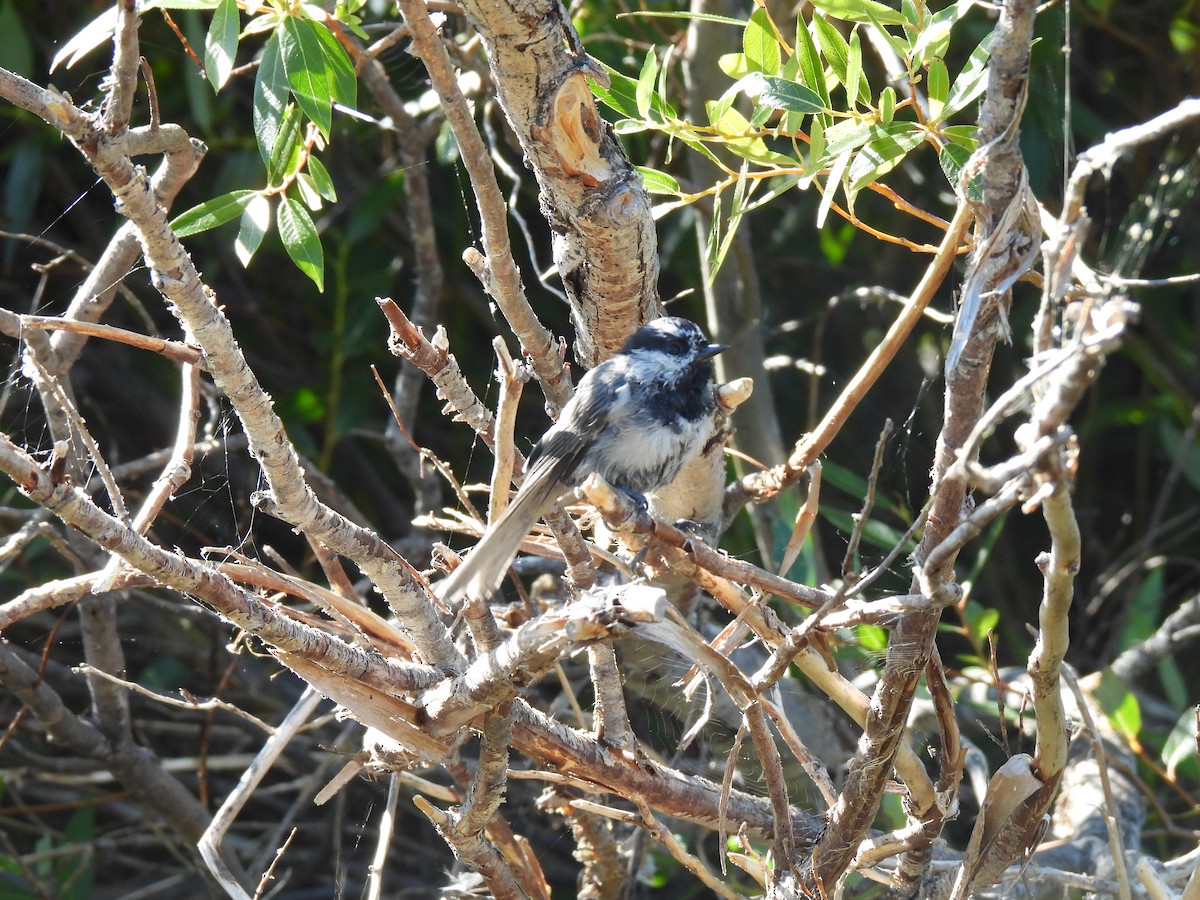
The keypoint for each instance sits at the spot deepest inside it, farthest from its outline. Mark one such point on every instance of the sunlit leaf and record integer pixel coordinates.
(859, 11)
(645, 83)
(971, 81)
(318, 69)
(621, 96)
(301, 240)
(762, 50)
(321, 179)
(886, 148)
(270, 97)
(937, 86)
(836, 171)
(887, 105)
(833, 46)
(221, 42)
(812, 69)
(1120, 704)
(657, 182)
(212, 213)
(854, 68)
(699, 17)
(256, 220)
(285, 154)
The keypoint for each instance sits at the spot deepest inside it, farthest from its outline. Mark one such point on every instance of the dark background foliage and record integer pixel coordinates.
(1138, 490)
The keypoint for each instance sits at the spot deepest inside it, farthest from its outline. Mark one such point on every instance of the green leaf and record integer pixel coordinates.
(343, 80)
(734, 65)
(884, 151)
(854, 69)
(270, 97)
(871, 638)
(898, 44)
(834, 47)
(952, 158)
(221, 42)
(621, 95)
(938, 88)
(934, 38)
(318, 69)
(859, 11)
(699, 17)
(255, 222)
(735, 218)
(789, 95)
(321, 179)
(212, 213)
(836, 171)
(1120, 704)
(657, 182)
(811, 67)
(308, 191)
(887, 105)
(971, 81)
(645, 83)
(301, 240)
(761, 48)
(285, 154)
(980, 620)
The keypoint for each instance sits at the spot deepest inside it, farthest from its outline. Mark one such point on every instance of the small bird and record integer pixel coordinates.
(636, 420)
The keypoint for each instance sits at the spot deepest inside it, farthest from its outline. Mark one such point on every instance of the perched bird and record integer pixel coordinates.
(636, 420)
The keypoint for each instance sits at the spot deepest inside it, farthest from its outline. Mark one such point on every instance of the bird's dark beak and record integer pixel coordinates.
(712, 350)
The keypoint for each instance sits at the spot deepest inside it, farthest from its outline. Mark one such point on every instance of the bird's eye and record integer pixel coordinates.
(677, 346)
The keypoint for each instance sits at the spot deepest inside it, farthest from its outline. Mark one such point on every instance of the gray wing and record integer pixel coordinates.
(553, 469)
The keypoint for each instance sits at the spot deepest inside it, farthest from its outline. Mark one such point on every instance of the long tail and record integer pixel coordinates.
(482, 571)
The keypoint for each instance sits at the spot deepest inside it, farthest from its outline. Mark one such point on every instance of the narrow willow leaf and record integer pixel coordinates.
(95, 33)
(900, 46)
(255, 222)
(221, 42)
(657, 182)
(887, 105)
(934, 38)
(301, 241)
(645, 83)
(937, 86)
(212, 213)
(816, 144)
(735, 219)
(836, 171)
(885, 150)
(759, 44)
(859, 11)
(812, 69)
(833, 46)
(853, 68)
(699, 17)
(971, 81)
(270, 97)
(621, 96)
